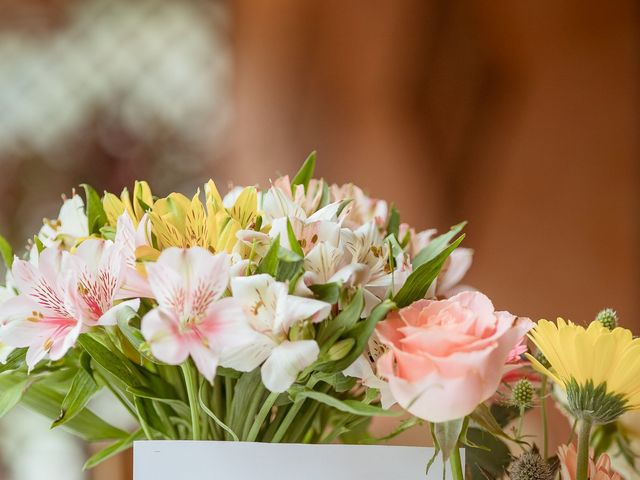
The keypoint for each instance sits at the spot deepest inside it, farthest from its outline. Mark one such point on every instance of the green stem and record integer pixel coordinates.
(545, 428)
(228, 395)
(583, 449)
(261, 416)
(190, 381)
(291, 414)
(456, 465)
(520, 423)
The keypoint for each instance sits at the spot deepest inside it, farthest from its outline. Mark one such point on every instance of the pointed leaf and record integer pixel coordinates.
(7, 252)
(113, 449)
(11, 396)
(82, 389)
(353, 407)
(422, 277)
(305, 174)
(436, 245)
(269, 263)
(96, 216)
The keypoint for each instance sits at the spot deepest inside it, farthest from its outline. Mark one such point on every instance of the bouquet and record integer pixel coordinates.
(292, 314)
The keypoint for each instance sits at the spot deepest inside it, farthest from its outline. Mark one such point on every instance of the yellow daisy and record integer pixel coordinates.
(597, 367)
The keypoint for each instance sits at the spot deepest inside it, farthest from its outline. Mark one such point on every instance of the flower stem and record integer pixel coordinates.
(456, 464)
(583, 449)
(545, 431)
(261, 416)
(190, 382)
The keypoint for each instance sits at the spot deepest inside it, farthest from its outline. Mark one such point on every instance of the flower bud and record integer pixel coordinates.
(302, 331)
(608, 317)
(530, 466)
(341, 349)
(522, 394)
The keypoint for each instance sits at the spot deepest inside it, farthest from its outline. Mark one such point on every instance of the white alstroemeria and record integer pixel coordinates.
(370, 266)
(70, 225)
(308, 199)
(192, 319)
(129, 239)
(363, 209)
(271, 313)
(364, 369)
(62, 295)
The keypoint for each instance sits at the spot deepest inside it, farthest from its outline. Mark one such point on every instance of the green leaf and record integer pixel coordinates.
(293, 241)
(83, 387)
(326, 292)
(269, 263)
(362, 331)
(180, 407)
(393, 224)
(436, 246)
(331, 329)
(446, 435)
(7, 252)
(96, 217)
(15, 360)
(213, 416)
(422, 277)
(134, 335)
(491, 459)
(338, 381)
(305, 174)
(115, 363)
(249, 385)
(44, 400)
(108, 232)
(353, 407)
(11, 396)
(38, 243)
(113, 449)
(289, 265)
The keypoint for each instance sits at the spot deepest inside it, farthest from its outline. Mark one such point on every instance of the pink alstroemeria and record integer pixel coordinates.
(62, 295)
(272, 312)
(191, 318)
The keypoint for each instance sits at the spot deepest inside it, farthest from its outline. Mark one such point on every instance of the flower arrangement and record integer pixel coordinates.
(292, 314)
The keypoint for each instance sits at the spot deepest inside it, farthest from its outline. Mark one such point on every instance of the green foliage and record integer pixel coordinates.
(485, 455)
(305, 174)
(7, 252)
(82, 389)
(423, 276)
(96, 216)
(353, 407)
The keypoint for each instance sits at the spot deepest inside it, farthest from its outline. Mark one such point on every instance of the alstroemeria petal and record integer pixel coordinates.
(110, 317)
(297, 309)
(245, 358)
(287, 360)
(160, 330)
(206, 360)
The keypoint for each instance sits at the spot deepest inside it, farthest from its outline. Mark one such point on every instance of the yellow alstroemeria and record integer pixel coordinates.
(178, 221)
(114, 206)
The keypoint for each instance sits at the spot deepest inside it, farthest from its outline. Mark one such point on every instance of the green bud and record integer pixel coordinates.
(608, 317)
(522, 394)
(341, 349)
(302, 331)
(530, 466)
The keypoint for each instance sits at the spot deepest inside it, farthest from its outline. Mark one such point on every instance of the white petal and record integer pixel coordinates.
(327, 213)
(110, 317)
(301, 308)
(160, 330)
(73, 220)
(206, 360)
(287, 360)
(260, 294)
(245, 358)
(361, 369)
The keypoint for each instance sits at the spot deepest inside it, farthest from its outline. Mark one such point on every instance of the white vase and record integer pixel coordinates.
(177, 460)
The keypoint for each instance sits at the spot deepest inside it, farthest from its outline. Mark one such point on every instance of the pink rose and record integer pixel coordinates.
(600, 470)
(446, 357)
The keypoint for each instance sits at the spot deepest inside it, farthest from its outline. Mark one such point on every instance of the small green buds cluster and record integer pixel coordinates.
(522, 394)
(530, 466)
(608, 317)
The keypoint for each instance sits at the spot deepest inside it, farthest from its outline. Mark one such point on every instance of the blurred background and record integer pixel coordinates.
(521, 117)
